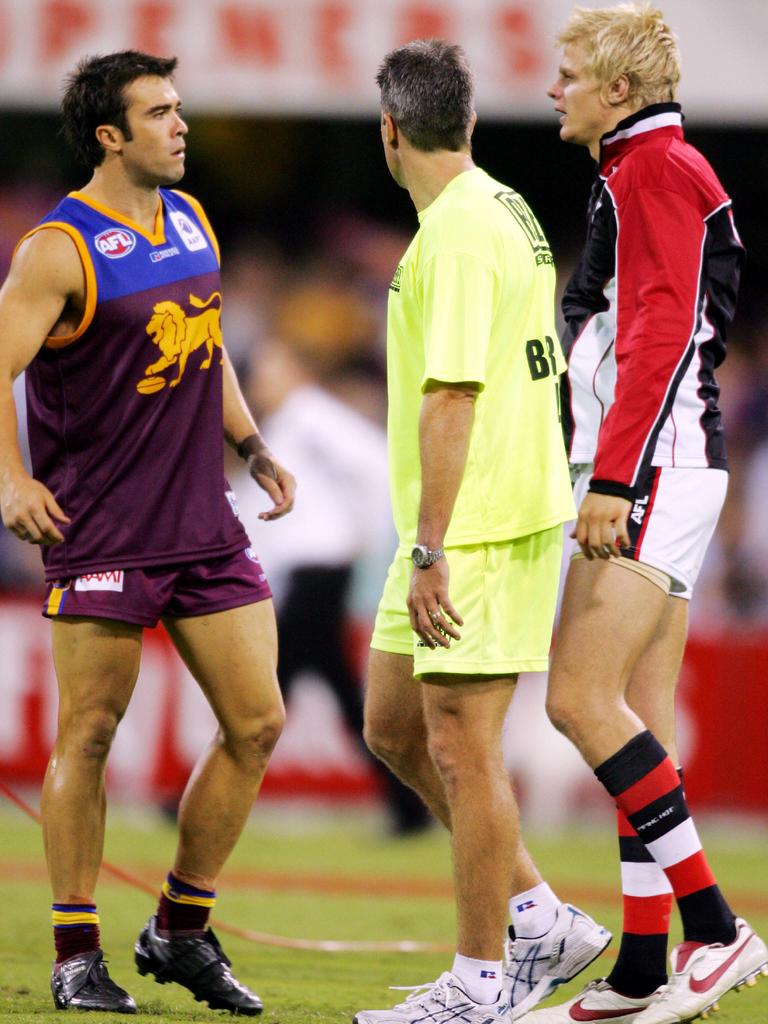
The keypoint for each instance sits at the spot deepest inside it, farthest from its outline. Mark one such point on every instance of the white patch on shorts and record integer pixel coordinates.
(110, 579)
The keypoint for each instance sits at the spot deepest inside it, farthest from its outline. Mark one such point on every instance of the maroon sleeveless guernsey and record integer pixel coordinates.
(125, 414)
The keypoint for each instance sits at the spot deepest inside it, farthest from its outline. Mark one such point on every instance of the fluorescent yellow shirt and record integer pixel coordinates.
(473, 300)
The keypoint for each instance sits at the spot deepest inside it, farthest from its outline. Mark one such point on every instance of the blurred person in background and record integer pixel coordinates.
(743, 537)
(732, 591)
(479, 485)
(646, 313)
(343, 513)
(254, 276)
(112, 306)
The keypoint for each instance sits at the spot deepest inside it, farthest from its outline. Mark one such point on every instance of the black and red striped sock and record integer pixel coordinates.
(646, 787)
(641, 964)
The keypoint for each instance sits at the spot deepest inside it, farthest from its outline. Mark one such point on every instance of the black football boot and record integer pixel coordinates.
(199, 964)
(83, 982)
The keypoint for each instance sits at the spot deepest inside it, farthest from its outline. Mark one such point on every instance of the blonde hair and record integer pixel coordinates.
(628, 39)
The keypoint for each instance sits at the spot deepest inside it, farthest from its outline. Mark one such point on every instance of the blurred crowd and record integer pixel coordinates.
(307, 336)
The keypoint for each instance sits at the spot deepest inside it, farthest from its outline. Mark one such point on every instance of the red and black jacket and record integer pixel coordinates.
(647, 307)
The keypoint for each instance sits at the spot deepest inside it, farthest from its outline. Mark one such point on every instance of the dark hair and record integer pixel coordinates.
(94, 94)
(427, 87)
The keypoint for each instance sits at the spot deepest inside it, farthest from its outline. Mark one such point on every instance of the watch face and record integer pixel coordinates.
(419, 556)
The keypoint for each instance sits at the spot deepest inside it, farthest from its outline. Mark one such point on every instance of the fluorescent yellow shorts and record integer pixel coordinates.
(505, 592)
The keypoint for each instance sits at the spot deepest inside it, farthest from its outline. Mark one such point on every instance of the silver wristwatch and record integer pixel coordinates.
(422, 556)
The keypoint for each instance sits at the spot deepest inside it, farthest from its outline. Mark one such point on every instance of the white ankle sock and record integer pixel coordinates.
(533, 912)
(481, 979)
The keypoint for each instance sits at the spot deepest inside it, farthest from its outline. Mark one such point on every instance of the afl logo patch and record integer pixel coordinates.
(114, 243)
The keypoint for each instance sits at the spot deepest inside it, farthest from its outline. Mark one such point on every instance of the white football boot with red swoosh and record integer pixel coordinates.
(597, 1001)
(701, 974)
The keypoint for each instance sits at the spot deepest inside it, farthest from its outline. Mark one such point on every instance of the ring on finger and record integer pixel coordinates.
(434, 616)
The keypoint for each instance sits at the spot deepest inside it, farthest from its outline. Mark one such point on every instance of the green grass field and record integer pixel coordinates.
(334, 880)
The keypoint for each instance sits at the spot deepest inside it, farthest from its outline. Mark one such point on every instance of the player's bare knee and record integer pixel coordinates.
(376, 740)
(569, 712)
(90, 734)
(448, 751)
(252, 740)
(398, 744)
(388, 747)
(403, 752)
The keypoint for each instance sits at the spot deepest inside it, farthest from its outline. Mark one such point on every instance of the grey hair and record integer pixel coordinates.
(427, 86)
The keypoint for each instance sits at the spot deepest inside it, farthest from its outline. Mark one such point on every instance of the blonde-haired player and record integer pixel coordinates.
(646, 312)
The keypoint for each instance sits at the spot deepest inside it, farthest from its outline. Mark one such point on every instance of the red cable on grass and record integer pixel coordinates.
(261, 938)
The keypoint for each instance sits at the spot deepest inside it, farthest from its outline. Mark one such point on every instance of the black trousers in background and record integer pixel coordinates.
(310, 622)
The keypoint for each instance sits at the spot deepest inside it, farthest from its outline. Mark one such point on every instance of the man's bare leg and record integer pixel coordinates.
(464, 719)
(652, 685)
(442, 736)
(609, 617)
(396, 732)
(641, 963)
(233, 656)
(97, 662)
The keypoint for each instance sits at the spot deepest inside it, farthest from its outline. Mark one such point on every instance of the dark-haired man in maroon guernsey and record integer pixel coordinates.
(112, 306)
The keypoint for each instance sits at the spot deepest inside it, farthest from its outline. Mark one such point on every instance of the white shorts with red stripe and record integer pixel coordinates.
(672, 519)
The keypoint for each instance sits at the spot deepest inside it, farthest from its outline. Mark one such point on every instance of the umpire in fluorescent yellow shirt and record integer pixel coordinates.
(479, 485)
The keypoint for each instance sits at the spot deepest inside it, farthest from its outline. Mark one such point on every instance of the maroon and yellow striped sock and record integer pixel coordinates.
(75, 929)
(183, 907)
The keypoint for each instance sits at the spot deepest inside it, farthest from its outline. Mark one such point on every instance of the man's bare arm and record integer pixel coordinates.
(445, 426)
(45, 279)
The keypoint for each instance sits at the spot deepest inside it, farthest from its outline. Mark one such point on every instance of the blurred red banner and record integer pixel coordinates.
(321, 56)
(723, 723)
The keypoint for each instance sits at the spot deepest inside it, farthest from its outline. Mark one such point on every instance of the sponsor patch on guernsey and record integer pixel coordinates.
(232, 499)
(189, 233)
(111, 579)
(157, 255)
(114, 243)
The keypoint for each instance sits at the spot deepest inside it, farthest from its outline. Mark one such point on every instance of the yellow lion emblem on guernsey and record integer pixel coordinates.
(178, 336)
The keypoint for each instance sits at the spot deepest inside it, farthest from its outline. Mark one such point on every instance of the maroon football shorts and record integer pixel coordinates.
(144, 596)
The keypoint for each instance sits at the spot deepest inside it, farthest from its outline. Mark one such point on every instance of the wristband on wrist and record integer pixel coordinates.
(254, 444)
(257, 457)
(612, 488)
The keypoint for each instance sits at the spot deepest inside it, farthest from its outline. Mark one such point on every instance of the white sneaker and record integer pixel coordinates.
(597, 1001)
(701, 974)
(535, 967)
(439, 1002)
